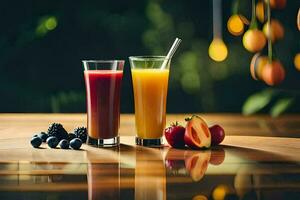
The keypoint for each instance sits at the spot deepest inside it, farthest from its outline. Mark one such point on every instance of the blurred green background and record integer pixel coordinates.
(43, 42)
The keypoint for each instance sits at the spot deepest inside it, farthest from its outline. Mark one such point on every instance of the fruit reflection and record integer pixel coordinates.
(192, 163)
(217, 155)
(197, 163)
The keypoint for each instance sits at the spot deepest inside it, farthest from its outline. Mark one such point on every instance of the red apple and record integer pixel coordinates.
(217, 134)
(197, 163)
(197, 134)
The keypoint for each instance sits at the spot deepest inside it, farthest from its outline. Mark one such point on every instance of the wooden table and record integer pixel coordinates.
(259, 159)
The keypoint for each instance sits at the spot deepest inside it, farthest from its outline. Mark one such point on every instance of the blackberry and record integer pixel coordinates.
(76, 143)
(36, 142)
(81, 133)
(64, 144)
(43, 136)
(52, 141)
(71, 136)
(58, 131)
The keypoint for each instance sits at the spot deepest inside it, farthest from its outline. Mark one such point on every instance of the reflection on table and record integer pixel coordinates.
(130, 172)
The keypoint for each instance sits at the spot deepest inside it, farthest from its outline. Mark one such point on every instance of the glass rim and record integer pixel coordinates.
(148, 58)
(102, 61)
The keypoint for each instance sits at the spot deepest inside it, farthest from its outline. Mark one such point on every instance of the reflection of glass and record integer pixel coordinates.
(104, 177)
(150, 175)
(150, 76)
(103, 87)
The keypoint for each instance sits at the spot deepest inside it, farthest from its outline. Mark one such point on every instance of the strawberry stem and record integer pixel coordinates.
(175, 124)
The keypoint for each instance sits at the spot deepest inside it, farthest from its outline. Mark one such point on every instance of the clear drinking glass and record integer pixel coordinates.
(103, 87)
(150, 75)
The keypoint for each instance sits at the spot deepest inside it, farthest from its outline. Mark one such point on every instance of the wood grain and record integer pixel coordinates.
(256, 148)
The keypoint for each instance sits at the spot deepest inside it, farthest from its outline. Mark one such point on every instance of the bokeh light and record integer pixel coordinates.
(51, 23)
(220, 192)
(217, 50)
(46, 24)
(199, 197)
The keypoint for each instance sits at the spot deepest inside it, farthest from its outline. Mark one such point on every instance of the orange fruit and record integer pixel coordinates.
(260, 11)
(273, 73)
(258, 62)
(235, 25)
(277, 30)
(297, 61)
(254, 40)
(277, 4)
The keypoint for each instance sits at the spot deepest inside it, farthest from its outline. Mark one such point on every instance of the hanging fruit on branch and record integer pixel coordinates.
(258, 62)
(276, 32)
(297, 61)
(254, 39)
(263, 67)
(273, 73)
(235, 25)
(277, 4)
(236, 21)
(260, 11)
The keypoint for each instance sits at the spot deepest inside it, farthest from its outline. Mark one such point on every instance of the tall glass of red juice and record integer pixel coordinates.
(103, 87)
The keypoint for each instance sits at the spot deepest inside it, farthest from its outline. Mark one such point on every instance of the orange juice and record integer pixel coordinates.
(150, 95)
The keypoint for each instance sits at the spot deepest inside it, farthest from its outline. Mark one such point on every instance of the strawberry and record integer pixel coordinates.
(174, 134)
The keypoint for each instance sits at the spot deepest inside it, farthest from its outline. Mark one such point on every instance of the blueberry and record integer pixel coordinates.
(71, 136)
(43, 136)
(76, 143)
(64, 144)
(36, 142)
(52, 141)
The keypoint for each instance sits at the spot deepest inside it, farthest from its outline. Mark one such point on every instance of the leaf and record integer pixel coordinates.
(281, 106)
(257, 101)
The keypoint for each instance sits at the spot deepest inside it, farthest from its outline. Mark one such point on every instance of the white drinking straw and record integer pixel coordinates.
(171, 52)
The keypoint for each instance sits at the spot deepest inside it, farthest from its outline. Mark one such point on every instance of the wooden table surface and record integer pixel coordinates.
(259, 159)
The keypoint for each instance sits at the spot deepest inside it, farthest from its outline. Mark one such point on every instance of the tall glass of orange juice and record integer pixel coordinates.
(150, 75)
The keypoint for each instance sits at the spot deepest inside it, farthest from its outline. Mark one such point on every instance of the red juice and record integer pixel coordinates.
(103, 88)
